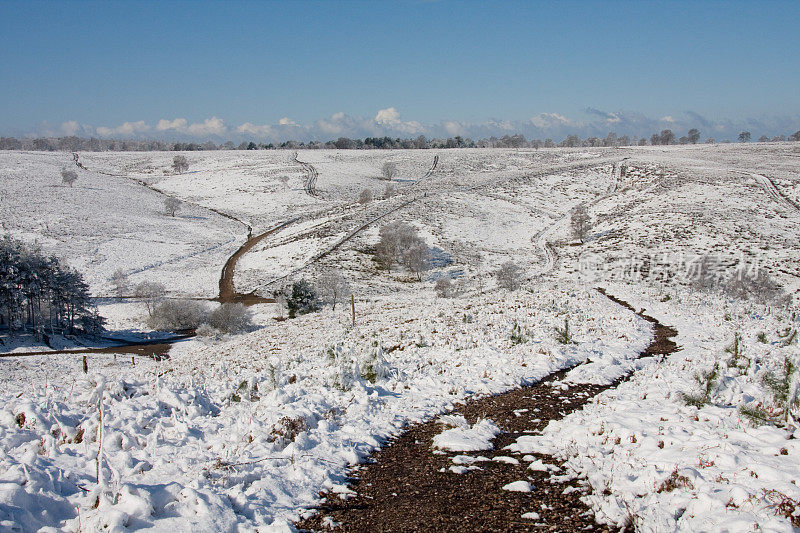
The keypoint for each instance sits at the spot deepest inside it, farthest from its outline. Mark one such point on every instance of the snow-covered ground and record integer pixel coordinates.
(243, 432)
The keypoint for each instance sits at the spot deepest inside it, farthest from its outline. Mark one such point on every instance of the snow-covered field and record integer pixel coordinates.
(243, 432)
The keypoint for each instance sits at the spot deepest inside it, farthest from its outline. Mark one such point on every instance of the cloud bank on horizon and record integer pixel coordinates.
(389, 122)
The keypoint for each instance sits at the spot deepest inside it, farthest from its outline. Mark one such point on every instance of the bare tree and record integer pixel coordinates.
(172, 205)
(416, 257)
(395, 239)
(744, 137)
(580, 222)
(332, 288)
(68, 177)
(365, 197)
(180, 164)
(389, 191)
(694, 135)
(443, 288)
(120, 281)
(509, 275)
(150, 293)
(389, 170)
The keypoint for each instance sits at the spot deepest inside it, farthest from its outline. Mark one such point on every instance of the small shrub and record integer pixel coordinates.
(443, 287)
(302, 300)
(563, 335)
(365, 197)
(231, 318)
(707, 380)
(375, 366)
(177, 315)
(517, 336)
(762, 337)
(675, 481)
(737, 359)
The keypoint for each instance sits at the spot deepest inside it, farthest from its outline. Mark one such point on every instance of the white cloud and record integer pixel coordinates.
(390, 117)
(668, 118)
(454, 128)
(286, 121)
(179, 124)
(387, 116)
(70, 128)
(253, 129)
(210, 126)
(126, 129)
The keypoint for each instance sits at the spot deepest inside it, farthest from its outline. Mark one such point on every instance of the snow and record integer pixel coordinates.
(518, 486)
(241, 433)
(465, 437)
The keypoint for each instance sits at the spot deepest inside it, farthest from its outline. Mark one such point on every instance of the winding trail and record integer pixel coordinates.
(406, 487)
(227, 289)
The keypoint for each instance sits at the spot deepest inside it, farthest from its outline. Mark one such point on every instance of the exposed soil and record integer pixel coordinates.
(227, 289)
(407, 487)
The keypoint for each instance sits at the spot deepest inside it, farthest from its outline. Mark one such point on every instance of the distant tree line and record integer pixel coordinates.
(78, 144)
(41, 294)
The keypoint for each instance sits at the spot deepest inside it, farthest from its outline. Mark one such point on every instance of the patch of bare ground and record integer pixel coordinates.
(407, 486)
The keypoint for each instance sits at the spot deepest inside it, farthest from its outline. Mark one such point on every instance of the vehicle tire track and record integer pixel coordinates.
(311, 176)
(406, 487)
(773, 192)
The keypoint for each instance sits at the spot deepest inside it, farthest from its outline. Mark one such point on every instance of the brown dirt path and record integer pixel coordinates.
(406, 487)
(227, 289)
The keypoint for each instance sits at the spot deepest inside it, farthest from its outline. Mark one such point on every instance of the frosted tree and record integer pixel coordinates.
(744, 137)
(509, 276)
(365, 197)
(395, 239)
(332, 288)
(68, 177)
(389, 170)
(150, 293)
(580, 222)
(119, 279)
(389, 191)
(180, 164)
(694, 135)
(172, 206)
(416, 257)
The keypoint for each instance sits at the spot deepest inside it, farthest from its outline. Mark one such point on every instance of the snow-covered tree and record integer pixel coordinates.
(68, 177)
(172, 206)
(180, 164)
(365, 197)
(332, 288)
(580, 222)
(40, 293)
(509, 275)
(389, 170)
(150, 292)
(119, 279)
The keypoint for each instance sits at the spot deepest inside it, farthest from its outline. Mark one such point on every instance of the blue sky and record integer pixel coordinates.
(239, 69)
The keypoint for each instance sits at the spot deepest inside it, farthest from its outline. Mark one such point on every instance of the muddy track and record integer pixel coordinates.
(406, 487)
(227, 288)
